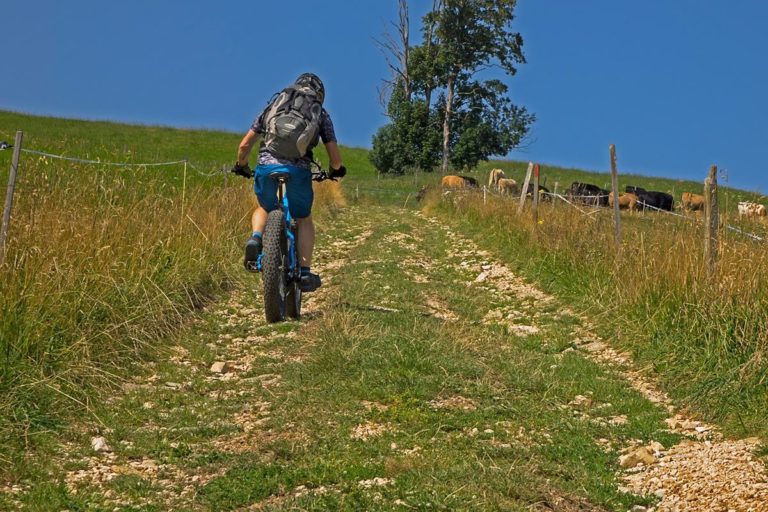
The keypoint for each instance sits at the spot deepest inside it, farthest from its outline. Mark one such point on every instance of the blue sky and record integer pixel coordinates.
(675, 85)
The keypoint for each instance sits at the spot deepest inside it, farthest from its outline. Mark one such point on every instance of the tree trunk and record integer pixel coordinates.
(436, 5)
(447, 121)
(404, 29)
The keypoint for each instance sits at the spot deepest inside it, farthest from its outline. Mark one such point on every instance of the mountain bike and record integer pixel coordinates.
(279, 260)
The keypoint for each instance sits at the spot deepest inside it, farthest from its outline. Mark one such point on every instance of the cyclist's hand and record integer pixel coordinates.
(338, 173)
(242, 170)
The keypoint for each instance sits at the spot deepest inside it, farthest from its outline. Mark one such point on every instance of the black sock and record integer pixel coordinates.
(305, 271)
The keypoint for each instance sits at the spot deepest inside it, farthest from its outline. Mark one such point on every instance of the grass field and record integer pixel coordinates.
(104, 260)
(123, 285)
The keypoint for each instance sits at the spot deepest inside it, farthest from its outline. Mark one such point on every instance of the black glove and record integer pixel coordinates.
(338, 173)
(242, 170)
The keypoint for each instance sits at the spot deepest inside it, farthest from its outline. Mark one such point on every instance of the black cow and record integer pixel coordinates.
(469, 181)
(587, 193)
(645, 198)
(542, 188)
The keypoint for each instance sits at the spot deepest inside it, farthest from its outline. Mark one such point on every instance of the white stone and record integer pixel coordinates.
(99, 444)
(220, 367)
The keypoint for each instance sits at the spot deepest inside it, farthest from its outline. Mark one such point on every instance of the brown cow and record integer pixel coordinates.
(452, 181)
(692, 201)
(507, 186)
(627, 201)
(495, 176)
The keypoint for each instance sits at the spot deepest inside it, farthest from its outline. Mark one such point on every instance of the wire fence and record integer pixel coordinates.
(687, 218)
(137, 165)
(100, 162)
(570, 200)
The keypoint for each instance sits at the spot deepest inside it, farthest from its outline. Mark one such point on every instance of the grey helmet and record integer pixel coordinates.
(313, 82)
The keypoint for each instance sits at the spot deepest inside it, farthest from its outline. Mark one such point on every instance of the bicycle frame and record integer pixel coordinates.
(279, 260)
(282, 203)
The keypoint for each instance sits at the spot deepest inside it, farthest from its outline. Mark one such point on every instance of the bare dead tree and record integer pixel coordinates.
(396, 50)
(428, 41)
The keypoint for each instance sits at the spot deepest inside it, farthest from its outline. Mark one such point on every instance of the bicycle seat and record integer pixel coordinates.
(281, 176)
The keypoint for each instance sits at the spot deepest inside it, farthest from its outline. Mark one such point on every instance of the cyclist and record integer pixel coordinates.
(299, 188)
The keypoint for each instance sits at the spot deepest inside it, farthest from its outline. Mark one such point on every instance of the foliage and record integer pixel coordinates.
(410, 141)
(461, 38)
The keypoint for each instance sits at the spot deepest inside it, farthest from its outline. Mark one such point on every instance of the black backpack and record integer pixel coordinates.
(292, 122)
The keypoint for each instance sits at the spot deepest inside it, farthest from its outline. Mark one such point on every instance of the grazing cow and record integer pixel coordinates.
(627, 201)
(749, 209)
(494, 177)
(659, 200)
(543, 192)
(692, 201)
(452, 181)
(507, 186)
(587, 193)
(469, 181)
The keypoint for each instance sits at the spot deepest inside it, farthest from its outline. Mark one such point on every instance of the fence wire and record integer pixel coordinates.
(100, 162)
(734, 229)
(140, 165)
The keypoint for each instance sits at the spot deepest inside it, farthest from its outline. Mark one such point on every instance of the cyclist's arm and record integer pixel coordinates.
(246, 145)
(334, 156)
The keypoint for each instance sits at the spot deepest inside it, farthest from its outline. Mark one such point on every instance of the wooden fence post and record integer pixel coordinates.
(711, 221)
(554, 194)
(615, 190)
(9, 195)
(535, 198)
(525, 188)
(485, 194)
(183, 197)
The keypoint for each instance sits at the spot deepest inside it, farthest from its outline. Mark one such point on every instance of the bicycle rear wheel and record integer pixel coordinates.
(274, 264)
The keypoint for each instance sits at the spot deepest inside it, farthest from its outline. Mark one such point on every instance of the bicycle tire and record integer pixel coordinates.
(273, 264)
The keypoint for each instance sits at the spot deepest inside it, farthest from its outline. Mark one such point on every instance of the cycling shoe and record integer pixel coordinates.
(252, 251)
(309, 282)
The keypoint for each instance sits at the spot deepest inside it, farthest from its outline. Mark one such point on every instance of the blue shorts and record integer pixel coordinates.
(299, 188)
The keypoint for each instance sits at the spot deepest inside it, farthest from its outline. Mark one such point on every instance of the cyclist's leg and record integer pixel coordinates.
(300, 198)
(259, 219)
(265, 190)
(306, 242)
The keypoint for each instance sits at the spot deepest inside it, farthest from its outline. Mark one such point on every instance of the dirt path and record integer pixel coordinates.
(424, 374)
(702, 472)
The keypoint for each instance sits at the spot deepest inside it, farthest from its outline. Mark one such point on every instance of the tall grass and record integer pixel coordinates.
(705, 336)
(100, 264)
(103, 262)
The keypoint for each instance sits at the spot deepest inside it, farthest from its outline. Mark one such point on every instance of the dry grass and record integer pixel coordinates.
(101, 264)
(329, 194)
(706, 335)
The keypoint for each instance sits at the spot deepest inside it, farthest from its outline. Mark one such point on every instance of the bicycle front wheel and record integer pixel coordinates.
(274, 264)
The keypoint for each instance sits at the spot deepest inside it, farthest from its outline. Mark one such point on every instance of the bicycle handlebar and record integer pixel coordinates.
(322, 175)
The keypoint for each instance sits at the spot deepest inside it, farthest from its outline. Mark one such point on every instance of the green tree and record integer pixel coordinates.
(488, 123)
(411, 140)
(472, 35)
(438, 106)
